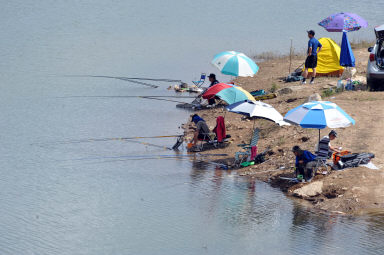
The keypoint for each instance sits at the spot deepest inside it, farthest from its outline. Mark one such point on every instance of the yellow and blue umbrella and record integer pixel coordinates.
(235, 64)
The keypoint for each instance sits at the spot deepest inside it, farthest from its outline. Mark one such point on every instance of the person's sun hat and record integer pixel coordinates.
(333, 132)
(311, 32)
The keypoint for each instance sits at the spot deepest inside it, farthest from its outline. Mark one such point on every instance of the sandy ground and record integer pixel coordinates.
(351, 191)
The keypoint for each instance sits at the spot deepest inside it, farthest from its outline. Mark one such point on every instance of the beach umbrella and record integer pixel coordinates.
(235, 64)
(319, 114)
(343, 21)
(229, 93)
(347, 58)
(257, 109)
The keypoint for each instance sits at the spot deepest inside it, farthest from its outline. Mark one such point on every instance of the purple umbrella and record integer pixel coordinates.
(343, 21)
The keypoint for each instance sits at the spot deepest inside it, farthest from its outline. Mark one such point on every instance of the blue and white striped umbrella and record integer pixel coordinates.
(235, 64)
(319, 114)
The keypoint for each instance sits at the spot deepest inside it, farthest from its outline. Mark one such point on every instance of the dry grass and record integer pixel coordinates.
(358, 44)
(270, 55)
(299, 54)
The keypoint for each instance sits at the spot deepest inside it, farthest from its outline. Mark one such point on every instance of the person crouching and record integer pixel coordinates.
(202, 129)
(305, 162)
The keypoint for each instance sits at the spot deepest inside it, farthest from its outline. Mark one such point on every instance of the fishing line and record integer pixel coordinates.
(144, 97)
(162, 99)
(152, 156)
(130, 79)
(129, 96)
(129, 157)
(149, 144)
(106, 139)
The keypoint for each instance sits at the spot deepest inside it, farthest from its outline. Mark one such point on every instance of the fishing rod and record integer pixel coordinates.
(145, 96)
(113, 77)
(139, 82)
(107, 139)
(130, 79)
(140, 157)
(149, 144)
(132, 96)
(150, 79)
(162, 99)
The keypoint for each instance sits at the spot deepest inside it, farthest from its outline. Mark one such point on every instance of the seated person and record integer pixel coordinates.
(202, 129)
(305, 162)
(212, 79)
(327, 140)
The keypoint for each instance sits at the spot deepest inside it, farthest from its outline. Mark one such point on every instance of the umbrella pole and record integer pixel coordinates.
(253, 129)
(319, 135)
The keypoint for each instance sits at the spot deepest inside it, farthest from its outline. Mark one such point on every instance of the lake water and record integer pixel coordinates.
(59, 196)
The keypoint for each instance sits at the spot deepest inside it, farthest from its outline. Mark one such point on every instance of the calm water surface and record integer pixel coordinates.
(120, 197)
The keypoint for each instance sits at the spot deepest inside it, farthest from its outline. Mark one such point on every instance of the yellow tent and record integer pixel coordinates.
(328, 59)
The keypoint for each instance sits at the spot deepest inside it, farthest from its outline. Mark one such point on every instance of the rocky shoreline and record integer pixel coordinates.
(351, 191)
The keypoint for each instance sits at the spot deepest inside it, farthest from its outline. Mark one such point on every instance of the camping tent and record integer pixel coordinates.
(328, 59)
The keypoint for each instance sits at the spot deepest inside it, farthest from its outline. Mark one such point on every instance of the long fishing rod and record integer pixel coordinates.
(131, 96)
(141, 83)
(113, 77)
(149, 144)
(150, 79)
(142, 157)
(143, 97)
(162, 99)
(107, 139)
(131, 79)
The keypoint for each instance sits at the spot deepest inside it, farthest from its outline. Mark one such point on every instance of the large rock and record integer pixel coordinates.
(310, 190)
(284, 91)
(314, 97)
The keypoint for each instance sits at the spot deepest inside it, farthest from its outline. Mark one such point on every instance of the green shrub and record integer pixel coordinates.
(328, 93)
(274, 88)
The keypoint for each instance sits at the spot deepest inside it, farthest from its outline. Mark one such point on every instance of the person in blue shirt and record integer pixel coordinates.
(311, 60)
(305, 162)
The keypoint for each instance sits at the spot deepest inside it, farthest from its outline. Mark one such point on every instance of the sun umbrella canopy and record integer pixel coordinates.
(257, 109)
(235, 64)
(343, 21)
(229, 93)
(319, 114)
(346, 54)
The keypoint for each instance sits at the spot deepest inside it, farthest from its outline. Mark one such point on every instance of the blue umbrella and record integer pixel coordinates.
(346, 55)
(319, 114)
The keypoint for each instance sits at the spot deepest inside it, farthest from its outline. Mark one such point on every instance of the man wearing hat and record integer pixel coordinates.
(327, 140)
(305, 162)
(212, 79)
(311, 60)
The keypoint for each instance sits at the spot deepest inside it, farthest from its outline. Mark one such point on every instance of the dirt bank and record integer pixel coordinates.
(349, 191)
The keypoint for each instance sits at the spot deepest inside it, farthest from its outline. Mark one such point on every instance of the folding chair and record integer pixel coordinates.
(208, 138)
(201, 81)
(240, 156)
(322, 155)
